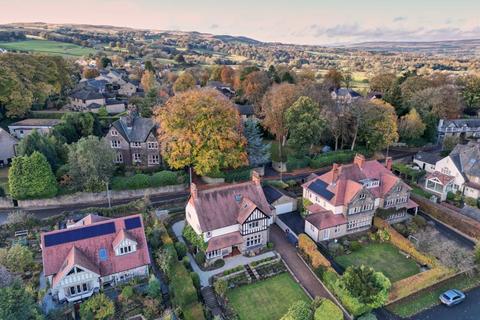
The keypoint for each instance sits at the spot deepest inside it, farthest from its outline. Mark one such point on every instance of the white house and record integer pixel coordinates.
(23, 128)
(7, 147)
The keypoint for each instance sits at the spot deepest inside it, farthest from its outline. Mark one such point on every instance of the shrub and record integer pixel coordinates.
(328, 311)
(154, 289)
(193, 238)
(238, 175)
(195, 279)
(164, 178)
(299, 310)
(368, 316)
(472, 202)
(17, 258)
(200, 258)
(270, 245)
(355, 246)
(420, 221)
(186, 262)
(98, 307)
(219, 263)
(335, 249)
(127, 293)
(141, 181)
(477, 253)
(221, 287)
(2, 192)
(330, 158)
(181, 249)
(297, 163)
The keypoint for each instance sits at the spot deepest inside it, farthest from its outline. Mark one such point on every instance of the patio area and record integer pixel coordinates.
(230, 263)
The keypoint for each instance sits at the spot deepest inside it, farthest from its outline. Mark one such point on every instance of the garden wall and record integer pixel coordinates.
(465, 224)
(100, 197)
(5, 203)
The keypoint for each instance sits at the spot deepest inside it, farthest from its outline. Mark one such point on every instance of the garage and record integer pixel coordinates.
(283, 201)
(284, 208)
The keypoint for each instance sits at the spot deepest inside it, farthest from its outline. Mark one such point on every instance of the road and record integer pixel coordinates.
(44, 213)
(467, 310)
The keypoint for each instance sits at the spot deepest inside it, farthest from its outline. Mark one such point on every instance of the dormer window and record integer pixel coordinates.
(362, 196)
(124, 250)
(136, 144)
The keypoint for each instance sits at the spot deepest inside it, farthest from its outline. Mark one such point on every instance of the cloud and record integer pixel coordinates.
(214, 26)
(399, 19)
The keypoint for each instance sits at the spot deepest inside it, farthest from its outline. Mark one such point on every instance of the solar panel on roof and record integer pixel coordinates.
(79, 234)
(132, 223)
(320, 187)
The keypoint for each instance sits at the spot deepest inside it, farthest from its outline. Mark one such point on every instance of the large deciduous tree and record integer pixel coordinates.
(31, 177)
(90, 164)
(441, 102)
(333, 78)
(411, 126)
(201, 128)
(470, 89)
(381, 82)
(379, 128)
(184, 82)
(254, 87)
(98, 307)
(18, 303)
(305, 124)
(148, 81)
(77, 125)
(258, 151)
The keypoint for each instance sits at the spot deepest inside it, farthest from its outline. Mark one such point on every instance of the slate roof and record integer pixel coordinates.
(459, 123)
(467, 158)
(85, 94)
(272, 194)
(35, 123)
(228, 205)
(139, 130)
(428, 157)
(343, 92)
(54, 256)
(245, 110)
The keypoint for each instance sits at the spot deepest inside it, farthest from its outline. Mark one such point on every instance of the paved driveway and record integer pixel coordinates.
(301, 271)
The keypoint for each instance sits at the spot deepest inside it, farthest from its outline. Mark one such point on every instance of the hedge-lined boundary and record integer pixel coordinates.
(465, 224)
(420, 281)
(144, 181)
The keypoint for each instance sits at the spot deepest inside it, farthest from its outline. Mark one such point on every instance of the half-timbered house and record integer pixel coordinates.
(232, 219)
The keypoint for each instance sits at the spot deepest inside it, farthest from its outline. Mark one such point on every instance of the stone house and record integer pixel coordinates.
(24, 127)
(94, 253)
(82, 98)
(134, 140)
(7, 147)
(462, 128)
(232, 219)
(345, 199)
(345, 95)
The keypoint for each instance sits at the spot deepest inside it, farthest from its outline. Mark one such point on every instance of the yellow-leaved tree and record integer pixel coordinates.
(202, 129)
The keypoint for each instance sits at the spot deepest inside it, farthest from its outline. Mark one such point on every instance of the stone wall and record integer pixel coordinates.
(101, 197)
(5, 203)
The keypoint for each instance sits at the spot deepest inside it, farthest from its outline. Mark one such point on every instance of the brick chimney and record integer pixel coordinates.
(335, 172)
(359, 160)
(256, 177)
(193, 190)
(388, 163)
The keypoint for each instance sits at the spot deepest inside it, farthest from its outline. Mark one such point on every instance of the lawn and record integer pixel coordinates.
(48, 47)
(382, 257)
(429, 298)
(266, 300)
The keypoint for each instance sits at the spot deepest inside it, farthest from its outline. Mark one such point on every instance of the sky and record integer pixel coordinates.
(288, 21)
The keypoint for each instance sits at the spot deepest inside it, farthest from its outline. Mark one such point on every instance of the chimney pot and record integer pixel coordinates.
(193, 190)
(335, 172)
(388, 163)
(359, 160)
(256, 177)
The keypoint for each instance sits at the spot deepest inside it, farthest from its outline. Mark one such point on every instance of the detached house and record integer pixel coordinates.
(345, 199)
(134, 140)
(96, 252)
(463, 128)
(459, 171)
(232, 219)
(24, 127)
(345, 95)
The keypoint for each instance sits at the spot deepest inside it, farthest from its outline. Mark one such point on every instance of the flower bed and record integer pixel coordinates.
(270, 269)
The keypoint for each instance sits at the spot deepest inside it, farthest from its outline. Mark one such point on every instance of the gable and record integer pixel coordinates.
(256, 214)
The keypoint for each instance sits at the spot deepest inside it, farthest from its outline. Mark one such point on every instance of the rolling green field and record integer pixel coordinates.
(48, 47)
(267, 299)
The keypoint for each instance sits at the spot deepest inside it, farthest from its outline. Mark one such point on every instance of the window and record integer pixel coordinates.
(214, 253)
(136, 144)
(152, 145)
(398, 188)
(254, 240)
(118, 158)
(153, 159)
(253, 224)
(137, 157)
(126, 249)
(115, 144)
(114, 133)
(362, 196)
(446, 171)
(209, 234)
(78, 289)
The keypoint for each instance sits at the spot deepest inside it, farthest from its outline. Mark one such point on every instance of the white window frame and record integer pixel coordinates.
(152, 145)
(115, 144)
(114, 133)
(118, 158)
(135, 144)
(153, 159)
(136, 157)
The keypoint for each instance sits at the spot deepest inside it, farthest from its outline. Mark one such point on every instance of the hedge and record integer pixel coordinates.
(327, 159)
(309, 248)
(461, 222)
(408, 286)
(238, 175)
(328, 311)
(142, 181)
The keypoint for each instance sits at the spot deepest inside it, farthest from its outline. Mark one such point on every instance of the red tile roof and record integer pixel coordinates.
(443, 178)
(54, 256)
(225, 205)
(326, 219)
(345, 184)
(75, 257)
(224, 241)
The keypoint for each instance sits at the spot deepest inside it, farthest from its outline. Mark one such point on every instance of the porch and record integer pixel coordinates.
(439, 184)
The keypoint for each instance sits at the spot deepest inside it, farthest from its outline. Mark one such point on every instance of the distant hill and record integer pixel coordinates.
(227, 38)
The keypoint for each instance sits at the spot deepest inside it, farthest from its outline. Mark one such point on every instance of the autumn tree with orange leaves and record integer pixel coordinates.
(202, 129)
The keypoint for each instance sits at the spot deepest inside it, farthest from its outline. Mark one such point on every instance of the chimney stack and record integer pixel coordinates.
(335, 172)
(359, 160)
(193, 190)
(388, 163)
(256, 177)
